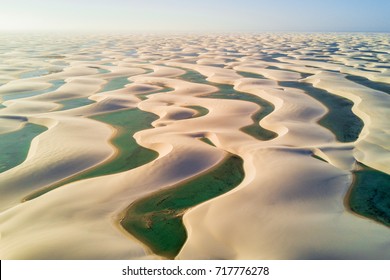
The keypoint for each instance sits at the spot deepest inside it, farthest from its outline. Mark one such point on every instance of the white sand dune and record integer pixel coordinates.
(11, 123)
(290, 205)
(373, 108)
(214, 74)
(277, 75)
(22, 86)
(55, 155)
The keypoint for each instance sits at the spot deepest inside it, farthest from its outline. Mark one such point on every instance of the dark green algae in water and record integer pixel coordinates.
(156, 219)
(370, 84)
(130, 155)
(200, 111)
(120, 82)
(207, 141)
(75, 103)
(14, 146)
(370, 194)
(116, 83)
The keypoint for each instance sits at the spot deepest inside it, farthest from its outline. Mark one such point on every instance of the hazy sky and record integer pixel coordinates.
(199, 15)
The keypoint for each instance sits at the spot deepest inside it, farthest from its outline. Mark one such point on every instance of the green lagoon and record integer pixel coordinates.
(156, 219)
(130, 154)
(14, 146)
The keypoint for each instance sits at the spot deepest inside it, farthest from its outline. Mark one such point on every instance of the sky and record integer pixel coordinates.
(196, 15)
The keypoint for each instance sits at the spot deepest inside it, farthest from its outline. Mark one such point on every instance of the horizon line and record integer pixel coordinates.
(151, 31)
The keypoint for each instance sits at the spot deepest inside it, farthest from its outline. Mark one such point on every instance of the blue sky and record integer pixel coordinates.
(199, 15)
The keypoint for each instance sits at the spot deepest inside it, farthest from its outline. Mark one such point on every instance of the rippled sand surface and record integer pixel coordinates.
(113, 146)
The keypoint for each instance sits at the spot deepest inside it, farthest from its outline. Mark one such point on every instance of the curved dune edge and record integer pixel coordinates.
(372, 107)
(76, 154)
(11, 124)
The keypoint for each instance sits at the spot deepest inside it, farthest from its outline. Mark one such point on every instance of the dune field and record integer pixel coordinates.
(268, 146)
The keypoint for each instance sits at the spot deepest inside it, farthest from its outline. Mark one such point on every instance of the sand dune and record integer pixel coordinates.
(199, 92)
(372, 107)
